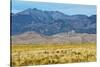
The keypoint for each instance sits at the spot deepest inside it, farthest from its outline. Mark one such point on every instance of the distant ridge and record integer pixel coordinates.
(51, 22)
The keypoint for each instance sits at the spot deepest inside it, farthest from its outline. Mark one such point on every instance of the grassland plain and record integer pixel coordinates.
(52, 53)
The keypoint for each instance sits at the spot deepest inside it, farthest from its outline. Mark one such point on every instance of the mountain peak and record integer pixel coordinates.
(51, 22)
(28, 11)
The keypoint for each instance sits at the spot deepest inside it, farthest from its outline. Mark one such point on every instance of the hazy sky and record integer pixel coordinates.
(69, 9)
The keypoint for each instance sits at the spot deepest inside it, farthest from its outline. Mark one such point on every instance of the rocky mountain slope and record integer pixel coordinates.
(51, 22)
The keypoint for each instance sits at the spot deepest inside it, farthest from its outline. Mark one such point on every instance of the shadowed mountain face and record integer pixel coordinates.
(51, 22)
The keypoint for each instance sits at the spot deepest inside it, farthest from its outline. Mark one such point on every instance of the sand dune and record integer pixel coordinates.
(32, 37)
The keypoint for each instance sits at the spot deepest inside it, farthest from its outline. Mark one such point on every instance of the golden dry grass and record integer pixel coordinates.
(38, 54)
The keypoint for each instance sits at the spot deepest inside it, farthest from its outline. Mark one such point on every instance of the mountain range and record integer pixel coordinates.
(51, 22)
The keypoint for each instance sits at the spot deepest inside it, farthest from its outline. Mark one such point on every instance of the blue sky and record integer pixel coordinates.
(69, 9)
